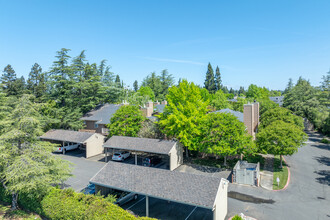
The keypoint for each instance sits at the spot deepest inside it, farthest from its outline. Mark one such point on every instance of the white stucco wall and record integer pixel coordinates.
(176, 156)
(94, 145)
(220, 205)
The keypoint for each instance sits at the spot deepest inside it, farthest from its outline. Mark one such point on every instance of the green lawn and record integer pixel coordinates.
(6, 213)
(282, 173)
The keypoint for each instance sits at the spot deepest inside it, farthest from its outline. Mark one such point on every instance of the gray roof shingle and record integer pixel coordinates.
(239, 115)
(102, 115)
(176, 186)
(66, 135)
(157, 146)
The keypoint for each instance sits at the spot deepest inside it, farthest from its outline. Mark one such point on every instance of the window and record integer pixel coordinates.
(96, 125)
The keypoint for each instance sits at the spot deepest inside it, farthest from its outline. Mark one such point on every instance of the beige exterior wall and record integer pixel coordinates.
(221, 201)
(94, 145)
(176, 156)
(251, 118)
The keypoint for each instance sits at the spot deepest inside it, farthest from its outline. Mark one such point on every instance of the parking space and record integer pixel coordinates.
(74, 153)
(162, 209)
(83, 169)
(164, 164)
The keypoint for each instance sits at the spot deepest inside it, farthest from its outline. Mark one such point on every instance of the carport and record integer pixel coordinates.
(186, 188)
(173, 149)
(92, 141)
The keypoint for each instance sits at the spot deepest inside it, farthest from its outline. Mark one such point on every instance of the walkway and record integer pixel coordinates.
(266, 176)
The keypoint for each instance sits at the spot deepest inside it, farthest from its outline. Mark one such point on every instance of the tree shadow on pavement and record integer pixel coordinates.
(322, 146)
(323, 160)
(325, 177)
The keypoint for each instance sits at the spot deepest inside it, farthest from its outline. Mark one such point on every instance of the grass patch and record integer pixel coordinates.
(6, 213)
(282, 173)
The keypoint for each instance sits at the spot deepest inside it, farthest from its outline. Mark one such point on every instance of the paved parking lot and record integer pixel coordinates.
(163, 209)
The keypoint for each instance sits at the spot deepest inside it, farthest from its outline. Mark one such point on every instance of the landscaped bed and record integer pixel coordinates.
(282, 173)
(6, 213)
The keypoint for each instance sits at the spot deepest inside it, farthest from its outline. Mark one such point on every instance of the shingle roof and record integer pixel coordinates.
(238, 114)
(66, 135)
(102, 114)
(159, 108)
(277, 99)
(140, 144)
(176, 186)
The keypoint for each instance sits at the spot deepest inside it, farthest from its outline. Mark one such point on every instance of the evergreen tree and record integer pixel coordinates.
(36, 82)
(167, 81)
(225, 89)
(20, 86)
(135, 86)
(209, 83)
(241, 91)
(8, 79)
(117, 81)
(289, 86)
(26, 163)
(218, 81)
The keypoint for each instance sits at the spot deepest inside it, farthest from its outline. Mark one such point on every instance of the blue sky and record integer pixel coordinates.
(259, 42)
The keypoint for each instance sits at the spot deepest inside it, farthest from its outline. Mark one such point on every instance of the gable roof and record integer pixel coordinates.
(188, 188)
(102, 114)
(277, 99)
(239, 115)
(149, 145)
(66, 135)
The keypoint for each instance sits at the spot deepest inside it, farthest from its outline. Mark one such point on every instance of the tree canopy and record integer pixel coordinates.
(127, 121)
(184, 111)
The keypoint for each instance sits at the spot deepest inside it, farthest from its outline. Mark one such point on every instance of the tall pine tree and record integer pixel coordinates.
(218, 81)
(36, 82)
(8, 79)
(209, 83)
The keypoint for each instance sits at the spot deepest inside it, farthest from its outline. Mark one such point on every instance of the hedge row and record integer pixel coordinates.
(67, 204)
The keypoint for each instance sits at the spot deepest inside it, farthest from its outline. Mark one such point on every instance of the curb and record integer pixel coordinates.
(288, 180)
(250, 218)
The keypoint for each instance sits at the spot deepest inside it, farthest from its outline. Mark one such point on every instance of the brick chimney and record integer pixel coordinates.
(251, 118)
(148, 110)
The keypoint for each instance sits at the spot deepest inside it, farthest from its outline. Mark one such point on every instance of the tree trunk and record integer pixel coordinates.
(225, 161)
(14, 204)
(281, 161)
(187, 154)
(241, 156)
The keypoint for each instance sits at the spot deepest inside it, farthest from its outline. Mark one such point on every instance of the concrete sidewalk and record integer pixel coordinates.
(266, 176)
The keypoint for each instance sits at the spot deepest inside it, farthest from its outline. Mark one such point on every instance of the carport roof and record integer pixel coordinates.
(149, 145)
(192, 189)
(66, 135)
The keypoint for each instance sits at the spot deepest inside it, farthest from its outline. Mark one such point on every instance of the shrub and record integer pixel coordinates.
(325, 141)
(236, 217)
(67, 204)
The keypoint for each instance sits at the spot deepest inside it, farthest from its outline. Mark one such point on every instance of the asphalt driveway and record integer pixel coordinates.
(307, 196)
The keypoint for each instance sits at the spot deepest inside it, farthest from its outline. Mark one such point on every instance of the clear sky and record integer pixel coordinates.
(259, 42)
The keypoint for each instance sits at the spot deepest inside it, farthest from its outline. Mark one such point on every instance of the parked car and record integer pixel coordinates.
(121, 156)
(124, 197)
(151, 161)
(70, 146)
(90, 189)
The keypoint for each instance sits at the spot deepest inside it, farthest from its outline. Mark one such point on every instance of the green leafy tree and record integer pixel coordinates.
(219, 100)
(209, 83)
(154, 82)
(289, 86)
(255, 92)
(273, 93)
(241, 91)
(184, 111)
(26, 163)
(239, 105)
(147, 92)
(127, 121)
(218, 81)
(282, 114)
(135, 86)
(223, 134)
(302, 100)
(225, 89)
(280, 138)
